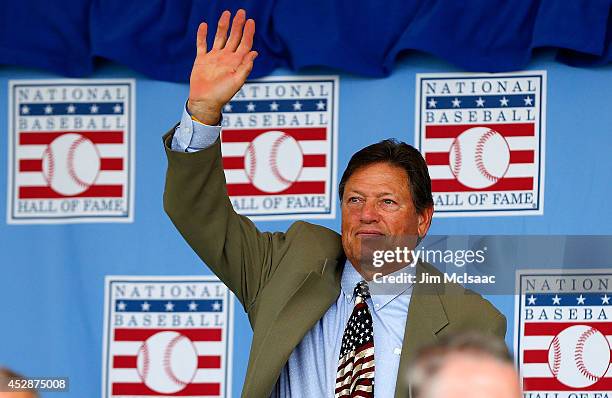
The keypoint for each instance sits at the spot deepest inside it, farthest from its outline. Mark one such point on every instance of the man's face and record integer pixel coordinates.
(377, 203)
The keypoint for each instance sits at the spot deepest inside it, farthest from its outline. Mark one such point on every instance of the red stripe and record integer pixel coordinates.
(237, 162)
(314, 161)
(522, 156)
(507, 130)
(443, 159)
(124, 361)
(233, 162)
(30, 165)
(210, 334)
(192, 389)
(46, 137)
(111, 164)
(554, 328)
(437, 158)
(300, 134)
(552, 384)
(298, 187)
(106, 191)
(129, 361)
(36, 164)
(504, 184)
(535, 356)
(209, 362)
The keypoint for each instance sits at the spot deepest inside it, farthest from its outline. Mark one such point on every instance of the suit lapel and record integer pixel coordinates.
(426, 317)
(306, 305)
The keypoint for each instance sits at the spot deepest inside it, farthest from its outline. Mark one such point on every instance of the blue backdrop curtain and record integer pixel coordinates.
(157, 38)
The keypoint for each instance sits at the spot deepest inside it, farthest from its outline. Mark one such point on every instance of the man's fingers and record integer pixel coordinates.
(201, 39)
(222, 26)
(245, 67)
(236, 33)
(247, 37)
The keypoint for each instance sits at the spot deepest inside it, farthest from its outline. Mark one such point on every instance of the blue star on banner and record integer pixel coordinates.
(71, 108)
(568, 299)
(208, 305)
(480, 101)
(274, 106)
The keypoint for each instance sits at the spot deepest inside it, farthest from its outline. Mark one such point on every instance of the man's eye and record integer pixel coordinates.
(353, 199)
(389, 202)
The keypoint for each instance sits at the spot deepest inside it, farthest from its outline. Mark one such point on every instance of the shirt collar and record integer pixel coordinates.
(350, 278)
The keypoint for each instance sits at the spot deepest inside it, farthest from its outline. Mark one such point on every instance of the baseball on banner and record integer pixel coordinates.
(479, 157)
(71, 164)
(579, 356)
(273, 161)
(167, 362)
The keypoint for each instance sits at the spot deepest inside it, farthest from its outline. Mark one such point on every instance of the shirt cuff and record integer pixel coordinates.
(193, 136)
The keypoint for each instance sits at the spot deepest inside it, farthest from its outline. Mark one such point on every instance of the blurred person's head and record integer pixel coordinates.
(7, 374)
(466, 365)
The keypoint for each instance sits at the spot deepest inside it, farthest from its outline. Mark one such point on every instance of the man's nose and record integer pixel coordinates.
(369, 213)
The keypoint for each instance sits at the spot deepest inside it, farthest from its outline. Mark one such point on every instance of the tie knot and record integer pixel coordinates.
(362, 290)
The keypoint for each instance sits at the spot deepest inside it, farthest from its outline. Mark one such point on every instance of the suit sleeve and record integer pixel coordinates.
(196, 200)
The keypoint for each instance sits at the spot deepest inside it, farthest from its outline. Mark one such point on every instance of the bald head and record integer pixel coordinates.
(474, 375)
(467, 365)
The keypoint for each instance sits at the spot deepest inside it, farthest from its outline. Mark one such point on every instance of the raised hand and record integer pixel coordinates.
(219, 73)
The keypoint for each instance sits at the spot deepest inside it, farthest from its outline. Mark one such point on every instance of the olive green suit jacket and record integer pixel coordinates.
(287, 281)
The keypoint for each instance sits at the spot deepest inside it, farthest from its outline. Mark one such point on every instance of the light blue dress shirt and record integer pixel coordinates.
(311, 369)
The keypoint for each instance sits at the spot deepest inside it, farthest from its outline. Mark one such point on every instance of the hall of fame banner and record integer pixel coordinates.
(483, 138)
(167, 336)
(71, 151)
(563, 333)
(279, 143)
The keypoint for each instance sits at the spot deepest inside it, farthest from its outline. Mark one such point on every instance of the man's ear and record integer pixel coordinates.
(425, 221)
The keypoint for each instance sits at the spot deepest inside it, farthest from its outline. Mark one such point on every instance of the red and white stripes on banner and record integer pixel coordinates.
(312, 141)
(521, 141)
(127, 342)
(29, 154)
(535, 369)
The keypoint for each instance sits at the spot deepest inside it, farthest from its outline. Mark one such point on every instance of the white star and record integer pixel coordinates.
(93, 108)
(145, 306)
(504, 101)
(528, 101)
(480, 101)
(531, 300)
(297, 106)
(432, 103)
(193, 306)
(250, 107)
(580, 299)
(320, 106)
(274, 106)
(456, 103)
(216, 306)
(121, 306)
(605, 299)
(48, 109)
(227, 107)
(71, 108)
(25, 109)
(117, 108)
(169, 306)
(556, 300)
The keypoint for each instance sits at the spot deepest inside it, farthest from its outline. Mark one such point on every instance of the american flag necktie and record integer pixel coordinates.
(355, 376)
